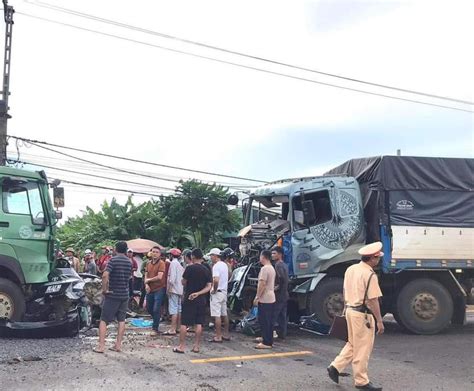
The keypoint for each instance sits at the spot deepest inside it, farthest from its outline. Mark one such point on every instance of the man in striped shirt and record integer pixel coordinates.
(115, 290)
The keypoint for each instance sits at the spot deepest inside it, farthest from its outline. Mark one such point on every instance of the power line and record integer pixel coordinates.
(100, 176)
(35, 142)
(44, 161)
(110, 188)
(228, 51)
(242, 65)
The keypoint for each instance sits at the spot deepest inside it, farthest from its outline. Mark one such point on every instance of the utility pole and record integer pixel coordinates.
(4, 116)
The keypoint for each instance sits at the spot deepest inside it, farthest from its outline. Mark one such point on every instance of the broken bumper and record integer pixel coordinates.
(66, 327)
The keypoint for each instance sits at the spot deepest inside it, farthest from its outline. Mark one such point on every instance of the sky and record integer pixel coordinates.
(103, 94)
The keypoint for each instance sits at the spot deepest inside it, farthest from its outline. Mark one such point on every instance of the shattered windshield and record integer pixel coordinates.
(266, 209)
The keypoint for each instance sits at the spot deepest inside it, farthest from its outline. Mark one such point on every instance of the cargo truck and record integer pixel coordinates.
(420, 208)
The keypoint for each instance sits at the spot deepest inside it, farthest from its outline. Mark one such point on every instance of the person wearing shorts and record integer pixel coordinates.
(218, 304)
(197, 283)
(115, 291)
(175, 291)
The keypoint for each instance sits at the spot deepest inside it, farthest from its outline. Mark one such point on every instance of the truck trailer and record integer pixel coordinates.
(420, 208)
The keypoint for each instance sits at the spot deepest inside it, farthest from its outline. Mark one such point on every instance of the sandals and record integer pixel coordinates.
(227, 339)
(176, 350)
(261, 346)
(195, 350)
(213, 340)
(114, 349)
(167, 333)
(97, 350)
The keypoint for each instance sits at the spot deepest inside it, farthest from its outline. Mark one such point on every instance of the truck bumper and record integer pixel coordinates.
(66, 327)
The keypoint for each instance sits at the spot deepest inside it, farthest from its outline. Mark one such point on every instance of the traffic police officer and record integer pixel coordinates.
(360, 322)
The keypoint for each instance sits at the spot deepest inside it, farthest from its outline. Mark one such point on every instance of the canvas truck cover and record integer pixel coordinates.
(413, 191)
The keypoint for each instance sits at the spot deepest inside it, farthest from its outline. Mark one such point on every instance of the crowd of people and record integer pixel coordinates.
(189, 289)
(185, 286)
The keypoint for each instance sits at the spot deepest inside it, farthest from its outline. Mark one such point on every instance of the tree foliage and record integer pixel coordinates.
(196, 215)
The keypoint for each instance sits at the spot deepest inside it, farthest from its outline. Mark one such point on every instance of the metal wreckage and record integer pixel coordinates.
(40, 296)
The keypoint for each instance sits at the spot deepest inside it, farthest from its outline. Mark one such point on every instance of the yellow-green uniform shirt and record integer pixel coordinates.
(355, 284)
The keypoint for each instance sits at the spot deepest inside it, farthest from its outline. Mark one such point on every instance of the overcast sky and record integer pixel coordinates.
(79, 88)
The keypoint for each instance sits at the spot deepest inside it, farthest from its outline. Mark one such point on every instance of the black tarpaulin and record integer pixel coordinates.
(406, 190)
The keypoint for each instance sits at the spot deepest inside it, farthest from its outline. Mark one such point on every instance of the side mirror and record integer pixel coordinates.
(233, 199)
(58, 214)
(58, 197)
(309, 213)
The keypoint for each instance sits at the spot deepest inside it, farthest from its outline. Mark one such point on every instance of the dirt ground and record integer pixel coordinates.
(399, 362)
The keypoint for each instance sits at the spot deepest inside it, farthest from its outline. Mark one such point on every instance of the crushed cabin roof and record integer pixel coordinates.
(291, 186)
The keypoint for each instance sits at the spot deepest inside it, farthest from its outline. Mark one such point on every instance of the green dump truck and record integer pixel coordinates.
(36, 290)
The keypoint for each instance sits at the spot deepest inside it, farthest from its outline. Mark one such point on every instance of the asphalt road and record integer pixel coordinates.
(399, 362)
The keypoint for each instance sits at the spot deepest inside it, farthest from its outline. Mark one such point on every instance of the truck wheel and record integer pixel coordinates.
(424, 306)
(327, 300)
(12, 301)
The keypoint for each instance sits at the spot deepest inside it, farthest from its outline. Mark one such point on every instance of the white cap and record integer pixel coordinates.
(214, 251)
(88, 251)
(130, 250)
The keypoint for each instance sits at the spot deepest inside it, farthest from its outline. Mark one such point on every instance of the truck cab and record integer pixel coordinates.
(317, 220)
(27, 224)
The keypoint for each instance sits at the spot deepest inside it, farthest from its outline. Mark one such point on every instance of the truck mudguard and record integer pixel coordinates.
(13, 266)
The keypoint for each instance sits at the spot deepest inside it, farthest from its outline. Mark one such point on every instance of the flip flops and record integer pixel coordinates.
(167, 333)
(227, 339)
(114, 349)
(176, 350)
(195, 350)
(96, 350)
(261, 346)
(213, 340)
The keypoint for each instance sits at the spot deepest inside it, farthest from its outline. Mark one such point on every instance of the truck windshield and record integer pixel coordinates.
(23, 198)
(266, 209)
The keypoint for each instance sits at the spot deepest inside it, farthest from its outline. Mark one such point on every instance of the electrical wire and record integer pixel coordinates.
(242, 65)
(101, 177)
(35, 142)
(109, 188)
(228, 51)
(44, 161)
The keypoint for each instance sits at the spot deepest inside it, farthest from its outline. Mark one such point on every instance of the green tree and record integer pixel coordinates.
(195, 216)
(198, 213)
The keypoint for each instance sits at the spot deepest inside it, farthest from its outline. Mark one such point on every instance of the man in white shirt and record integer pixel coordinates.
(220, 279)
(175, 291)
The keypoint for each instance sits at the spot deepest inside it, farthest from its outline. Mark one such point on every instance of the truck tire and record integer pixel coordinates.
(424, 306)
(327, 300)
(12, 301)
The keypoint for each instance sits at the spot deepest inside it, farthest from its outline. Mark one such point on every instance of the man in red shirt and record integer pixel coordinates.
(103, 260)
(155, 285)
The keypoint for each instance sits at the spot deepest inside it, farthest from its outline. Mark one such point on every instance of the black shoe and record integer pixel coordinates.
(333, 374)
(369, 386)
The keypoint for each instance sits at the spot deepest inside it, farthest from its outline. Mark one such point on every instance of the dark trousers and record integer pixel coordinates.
(153, 306)
(280, 318)
(265, 318)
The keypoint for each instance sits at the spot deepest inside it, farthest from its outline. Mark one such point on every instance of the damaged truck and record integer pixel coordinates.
(420, 208)
(39, 294)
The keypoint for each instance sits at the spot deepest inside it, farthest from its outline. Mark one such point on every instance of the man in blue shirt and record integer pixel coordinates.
(115, 290)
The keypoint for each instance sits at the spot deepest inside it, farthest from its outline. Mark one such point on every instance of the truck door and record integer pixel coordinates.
(307, 249)
(24, 228)
(336, 225)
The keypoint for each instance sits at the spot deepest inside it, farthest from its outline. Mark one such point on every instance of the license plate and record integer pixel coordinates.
(53, 289)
